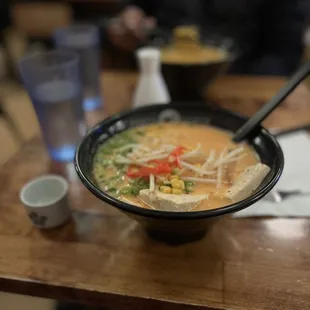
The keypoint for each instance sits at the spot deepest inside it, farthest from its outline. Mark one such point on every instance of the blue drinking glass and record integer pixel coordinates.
(84, 40)
(53, 82)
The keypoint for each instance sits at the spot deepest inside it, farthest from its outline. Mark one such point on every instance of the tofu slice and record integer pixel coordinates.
(170, 202)
(247, 182)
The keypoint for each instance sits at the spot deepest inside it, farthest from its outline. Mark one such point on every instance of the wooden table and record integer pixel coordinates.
(101, 257)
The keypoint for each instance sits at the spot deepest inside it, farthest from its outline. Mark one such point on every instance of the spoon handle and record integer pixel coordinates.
(251, 125)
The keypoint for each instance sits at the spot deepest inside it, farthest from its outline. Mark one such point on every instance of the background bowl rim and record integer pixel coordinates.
(211, 41)
(170, 215)
(230, 57)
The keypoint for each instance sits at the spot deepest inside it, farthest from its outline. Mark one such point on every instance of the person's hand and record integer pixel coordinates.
(300, 98)
(130, 28)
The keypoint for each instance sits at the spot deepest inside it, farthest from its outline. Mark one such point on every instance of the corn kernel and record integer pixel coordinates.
(175, 183)
(177, 191)
(182, 184)
(178, 184)
(173, 177)
(165, 189)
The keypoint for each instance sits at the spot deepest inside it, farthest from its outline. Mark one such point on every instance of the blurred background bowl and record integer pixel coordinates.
(199, 60)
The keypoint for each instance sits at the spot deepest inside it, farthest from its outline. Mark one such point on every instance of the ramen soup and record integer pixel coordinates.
(177, 167)
(191, 55)
(186, 49)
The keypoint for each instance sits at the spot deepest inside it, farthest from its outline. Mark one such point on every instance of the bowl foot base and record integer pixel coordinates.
(175, 238)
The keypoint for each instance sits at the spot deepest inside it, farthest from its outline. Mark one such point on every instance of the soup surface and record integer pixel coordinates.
(172, 158)
(186, 49)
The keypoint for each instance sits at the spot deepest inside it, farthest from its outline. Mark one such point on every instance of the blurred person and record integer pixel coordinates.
(269, 34)
(5, 22)
(4, 17)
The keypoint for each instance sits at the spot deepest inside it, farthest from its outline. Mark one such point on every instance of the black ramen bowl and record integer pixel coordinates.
(174, 227)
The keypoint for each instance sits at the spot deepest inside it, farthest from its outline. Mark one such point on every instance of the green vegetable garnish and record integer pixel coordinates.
(107, 162)
(188, 183)
(125, 190)
(135, 186)
(175, 170)
(113, 178)
(188, 186)
(139, 132)
(118, 141)
(105, 158)
(112, 189)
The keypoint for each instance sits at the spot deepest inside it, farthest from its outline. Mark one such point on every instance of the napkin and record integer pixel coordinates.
(296, 176)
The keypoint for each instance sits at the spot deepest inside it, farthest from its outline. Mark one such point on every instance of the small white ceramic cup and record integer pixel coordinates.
(45, 200)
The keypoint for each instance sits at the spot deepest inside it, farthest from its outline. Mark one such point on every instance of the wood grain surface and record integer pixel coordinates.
(247, 94)
(103, 258)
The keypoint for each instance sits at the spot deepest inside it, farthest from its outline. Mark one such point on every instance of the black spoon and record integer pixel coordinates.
(249, 128)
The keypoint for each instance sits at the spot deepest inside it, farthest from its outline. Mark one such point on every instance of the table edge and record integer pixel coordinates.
(117, 301)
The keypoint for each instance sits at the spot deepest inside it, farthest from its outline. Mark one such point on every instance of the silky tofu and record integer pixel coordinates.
(247, 182)
(170, 202)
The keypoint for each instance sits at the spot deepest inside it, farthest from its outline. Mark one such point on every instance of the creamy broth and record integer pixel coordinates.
(186, 49)
(123, 180)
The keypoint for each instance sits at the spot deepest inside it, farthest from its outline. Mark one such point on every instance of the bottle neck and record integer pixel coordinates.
(149, 60)
(149, 66)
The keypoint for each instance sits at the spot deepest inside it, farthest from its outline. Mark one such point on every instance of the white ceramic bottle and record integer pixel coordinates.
(151, 87)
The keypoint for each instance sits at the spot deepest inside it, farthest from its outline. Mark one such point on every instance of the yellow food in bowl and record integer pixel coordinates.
(186, 49)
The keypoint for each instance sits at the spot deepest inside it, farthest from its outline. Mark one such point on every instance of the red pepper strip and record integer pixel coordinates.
(163, 166)
(178, 164)
(172, 159)
(174, 156)
(134, 172)
(178, 151)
